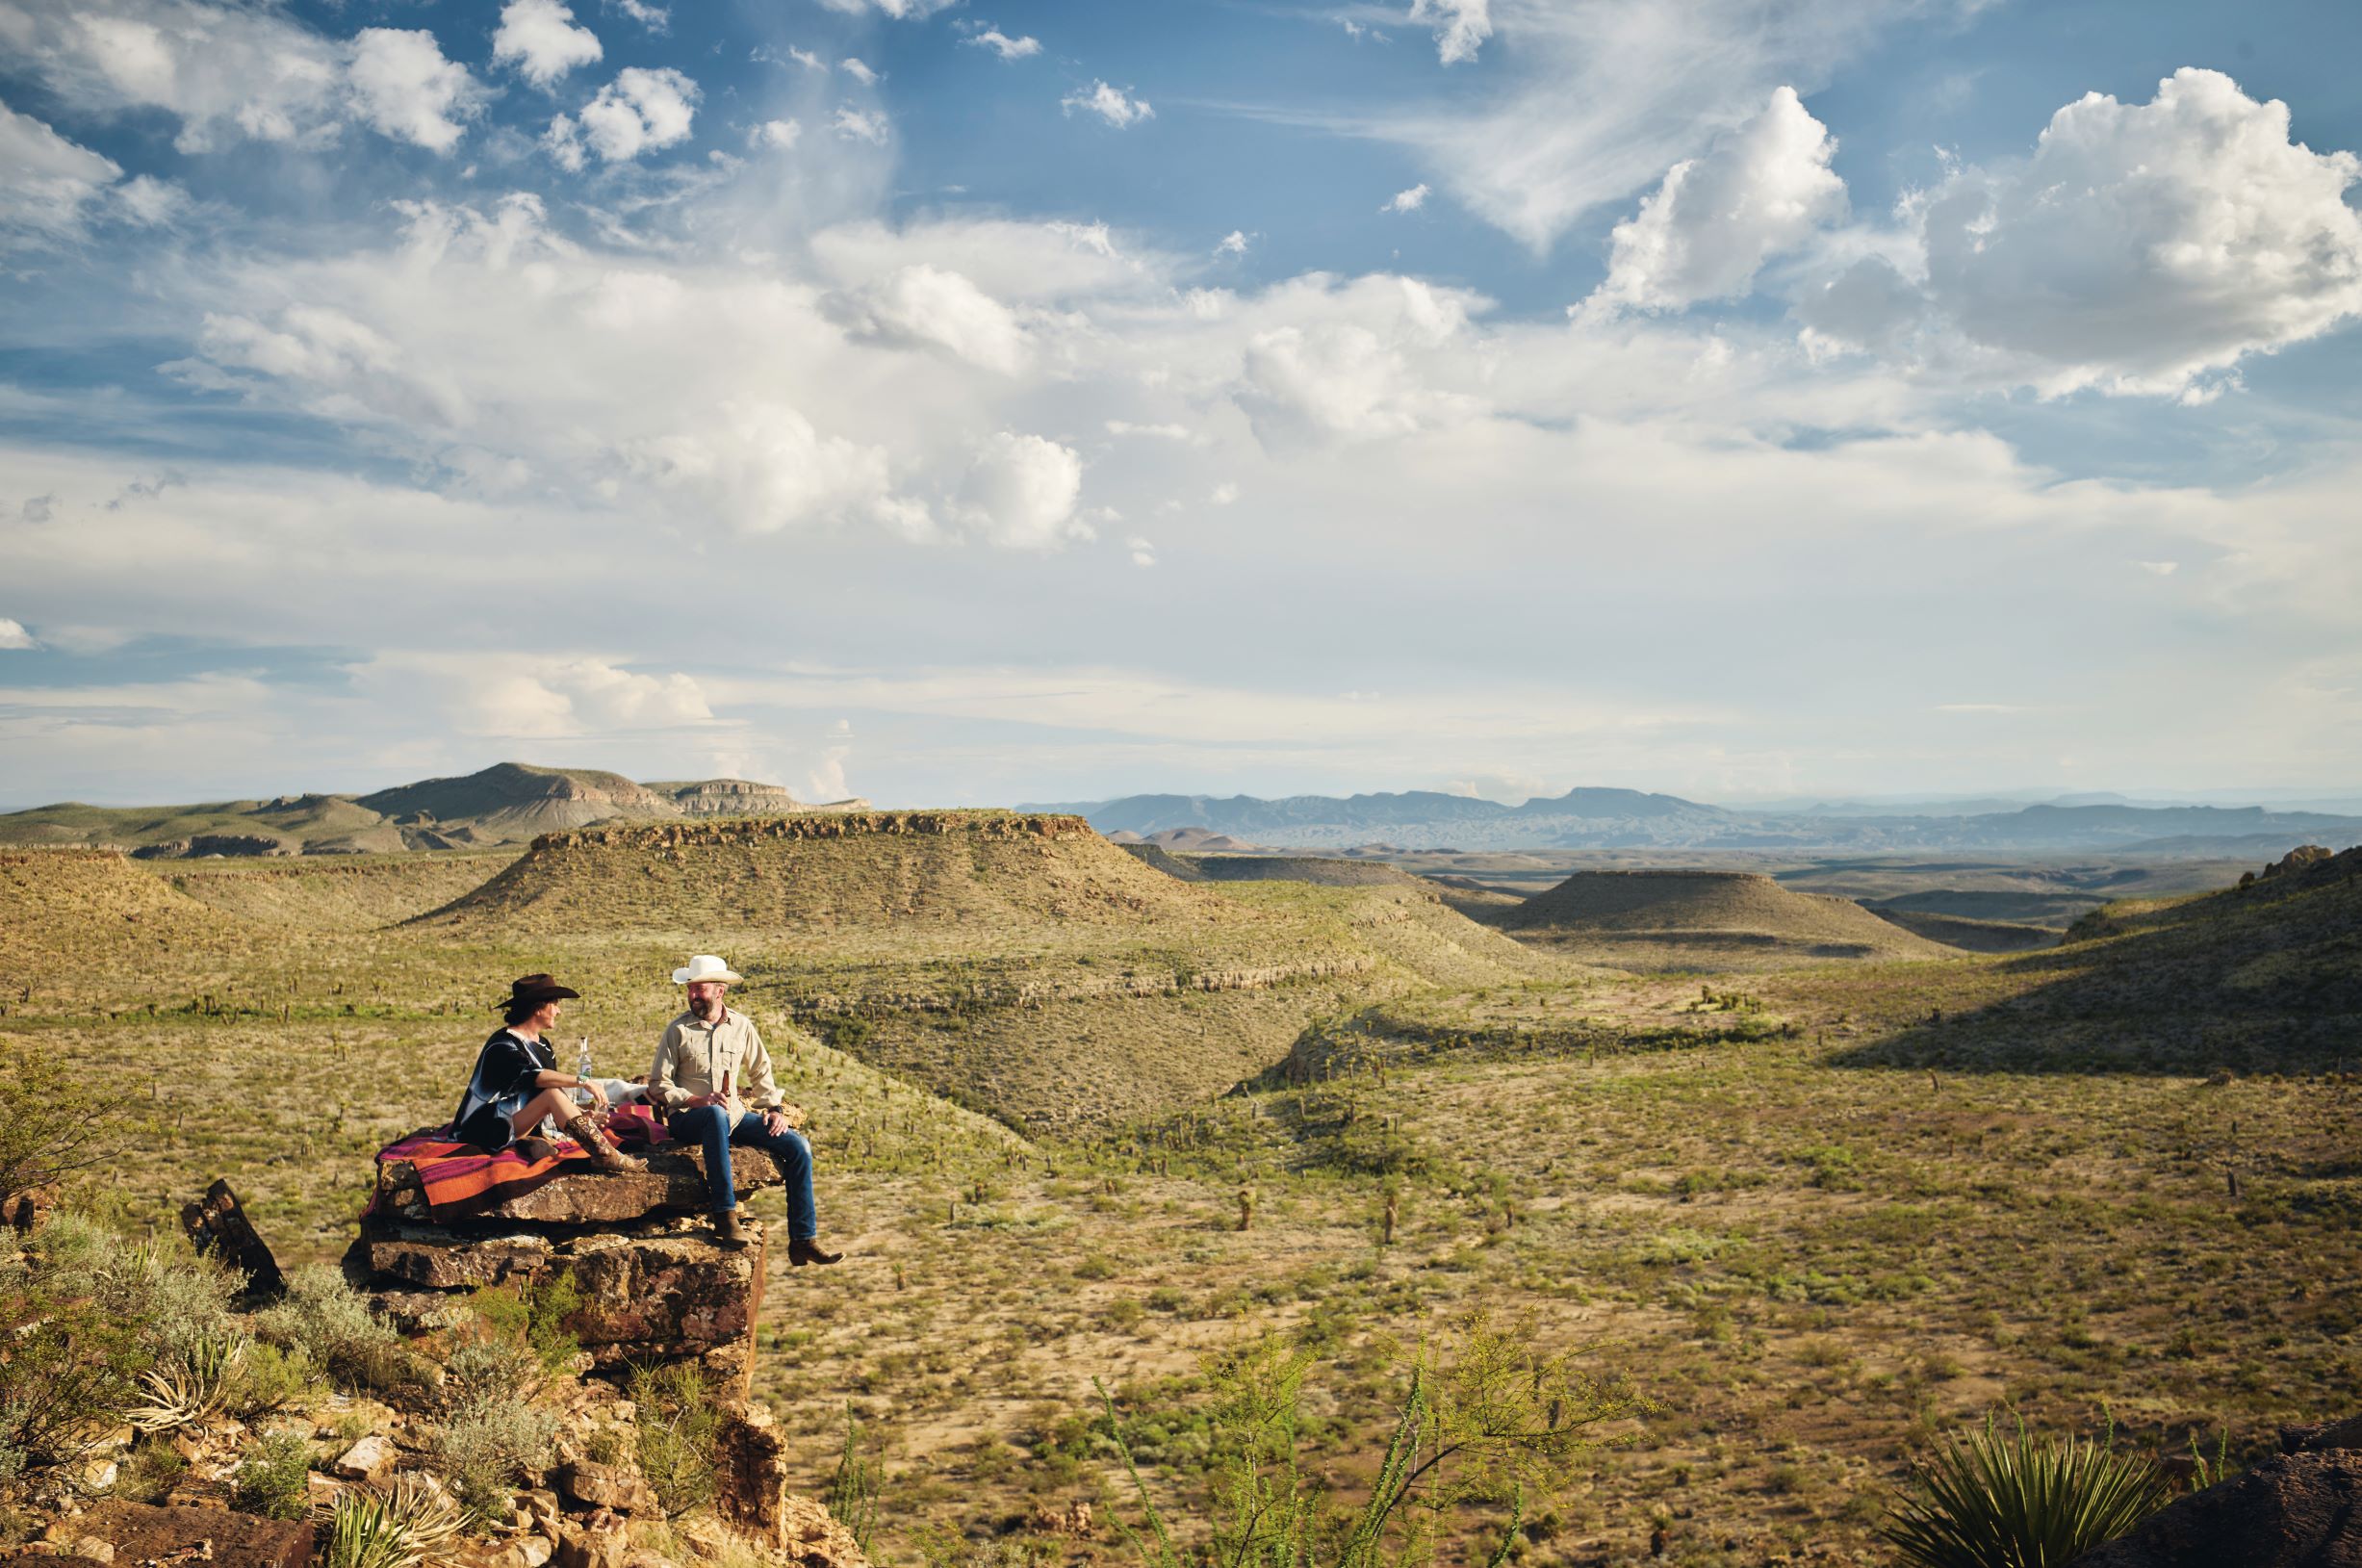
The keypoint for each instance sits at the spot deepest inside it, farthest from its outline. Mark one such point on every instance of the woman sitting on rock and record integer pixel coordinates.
(515, 1082)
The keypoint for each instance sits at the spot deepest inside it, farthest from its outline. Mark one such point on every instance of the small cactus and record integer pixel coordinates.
(1246, 1208)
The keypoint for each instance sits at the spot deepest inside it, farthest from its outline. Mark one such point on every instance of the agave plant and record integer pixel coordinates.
(409, 1525)
(2017, 1501)
(192, 1386)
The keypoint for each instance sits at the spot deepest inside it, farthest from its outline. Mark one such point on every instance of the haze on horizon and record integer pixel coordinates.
(978, 402)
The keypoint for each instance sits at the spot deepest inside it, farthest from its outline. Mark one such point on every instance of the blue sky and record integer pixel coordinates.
(981, 403)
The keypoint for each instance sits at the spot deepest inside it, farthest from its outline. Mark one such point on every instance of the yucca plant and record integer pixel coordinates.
(409, 1525)
(192, 1386)
(2017, 1501)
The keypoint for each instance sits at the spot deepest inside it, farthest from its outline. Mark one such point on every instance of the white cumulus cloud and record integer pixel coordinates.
(1021, 490)
(541, 38)
(931, 306)
(529, 697)
(1761, 190)
(778, 134)
(1003, 45)
(13, 636)
(403, 87)
(1110, 105)
(853, 124)
(764, 467)
(641, 110)
(1461, 27)
(859, 71)
(1407, 201)
(53, 189)
(2144, 244)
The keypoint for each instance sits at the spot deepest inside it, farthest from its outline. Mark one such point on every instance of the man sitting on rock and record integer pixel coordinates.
(712, 1084)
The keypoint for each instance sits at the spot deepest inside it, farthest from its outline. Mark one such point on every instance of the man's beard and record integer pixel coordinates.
(707, 1007)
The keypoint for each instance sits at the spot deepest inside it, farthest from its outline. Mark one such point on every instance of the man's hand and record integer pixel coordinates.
(776, 1122)
(698, 1102)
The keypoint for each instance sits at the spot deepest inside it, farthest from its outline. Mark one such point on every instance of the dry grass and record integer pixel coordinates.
(1750, 1194)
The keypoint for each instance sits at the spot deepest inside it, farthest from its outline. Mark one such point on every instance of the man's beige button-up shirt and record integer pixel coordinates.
(693, 1058)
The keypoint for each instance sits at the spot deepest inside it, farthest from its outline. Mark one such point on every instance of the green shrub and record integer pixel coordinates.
(484, 1370)
(483, 1449)
(55, 1120)
(853, 1490)
(330, 1324)
(679, 1426)
(269, 1380)
(1483, 1422)
(535, 1313)
(2017, 1501)
(273, 1476)
(69, 1367)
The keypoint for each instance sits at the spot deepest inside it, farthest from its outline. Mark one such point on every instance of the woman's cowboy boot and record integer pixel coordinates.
(594, 1141)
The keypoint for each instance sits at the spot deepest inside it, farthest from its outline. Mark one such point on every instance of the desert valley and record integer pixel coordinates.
(1795, 1185)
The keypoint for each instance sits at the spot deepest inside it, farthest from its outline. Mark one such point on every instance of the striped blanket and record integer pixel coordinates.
(460, 1180)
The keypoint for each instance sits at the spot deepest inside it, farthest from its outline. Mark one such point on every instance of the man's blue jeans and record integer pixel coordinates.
(708, 1125)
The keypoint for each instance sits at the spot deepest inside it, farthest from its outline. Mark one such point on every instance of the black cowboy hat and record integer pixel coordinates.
(533, 989)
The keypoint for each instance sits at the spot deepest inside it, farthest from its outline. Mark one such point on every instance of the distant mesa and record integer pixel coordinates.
(1430, 821)
(1698, 919)
(1191, 841)
(509, 803)
(814, 873)
(1318, 870)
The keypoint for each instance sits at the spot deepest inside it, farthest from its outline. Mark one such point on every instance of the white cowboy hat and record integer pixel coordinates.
(706, 966)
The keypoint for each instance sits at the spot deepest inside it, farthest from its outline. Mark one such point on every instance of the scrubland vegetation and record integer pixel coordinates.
(1792, 1232)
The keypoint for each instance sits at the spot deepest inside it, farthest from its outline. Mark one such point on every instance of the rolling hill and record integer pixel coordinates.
(506, 804)
(68, 915)
(2262, 977)
(1019, 963)
(1706, 919)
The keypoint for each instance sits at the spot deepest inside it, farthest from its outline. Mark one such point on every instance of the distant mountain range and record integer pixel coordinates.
(1632, 819)
(507, 803)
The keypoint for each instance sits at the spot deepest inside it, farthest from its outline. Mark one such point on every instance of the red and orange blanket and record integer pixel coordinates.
(461, 1181)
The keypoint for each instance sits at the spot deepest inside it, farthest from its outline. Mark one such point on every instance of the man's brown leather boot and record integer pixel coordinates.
(727, 1231)
(805, 1249)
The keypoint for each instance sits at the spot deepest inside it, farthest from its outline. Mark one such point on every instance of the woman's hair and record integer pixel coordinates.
(516, 1013)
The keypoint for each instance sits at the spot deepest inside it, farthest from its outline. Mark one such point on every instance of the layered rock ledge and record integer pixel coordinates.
(635, 1246)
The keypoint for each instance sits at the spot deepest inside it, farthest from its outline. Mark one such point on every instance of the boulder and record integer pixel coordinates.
(596, 1542)
(451, 1258)
(750, 1474)
(603, 1486)
(674, 1183)
(2321, 1436)
(813, 1537)
(141, 1532)
(219, 1225)
(651, 1285)
(368, 1460)
(663, 1284)
(2297, 1510)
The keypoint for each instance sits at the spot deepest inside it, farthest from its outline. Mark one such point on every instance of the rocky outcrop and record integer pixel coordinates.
(674, 1183)
(635, 1246)
(2303, 858)
(2303, 1509)
(736, 797)
(139, 1532)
